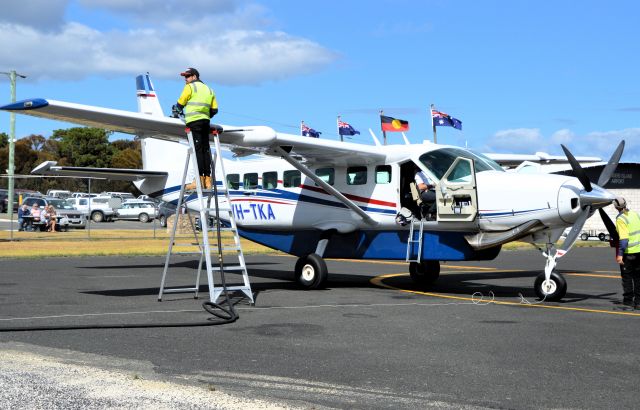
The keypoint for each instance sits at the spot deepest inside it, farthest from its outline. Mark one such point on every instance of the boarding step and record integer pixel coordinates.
(220, 209)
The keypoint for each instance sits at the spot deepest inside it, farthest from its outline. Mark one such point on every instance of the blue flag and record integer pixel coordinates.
(346, 129)
(309, 132)
(441, 119)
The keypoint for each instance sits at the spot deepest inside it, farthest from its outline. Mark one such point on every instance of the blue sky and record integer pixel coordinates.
(522, 76)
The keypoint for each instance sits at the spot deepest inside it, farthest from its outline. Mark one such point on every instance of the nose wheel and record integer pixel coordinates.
(552, 289)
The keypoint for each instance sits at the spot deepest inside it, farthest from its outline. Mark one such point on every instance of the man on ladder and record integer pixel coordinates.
(199, 104)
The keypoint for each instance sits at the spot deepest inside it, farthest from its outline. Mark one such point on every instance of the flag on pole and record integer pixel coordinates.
(308, 132)
(441, 119)
(393, 124)
(346, 129)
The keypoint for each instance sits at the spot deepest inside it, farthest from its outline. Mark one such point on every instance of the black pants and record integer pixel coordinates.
(631, 279)
(200, 130)
(429, 198)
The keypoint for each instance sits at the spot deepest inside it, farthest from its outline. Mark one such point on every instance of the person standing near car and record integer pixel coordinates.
(628, 254)
(199, 104)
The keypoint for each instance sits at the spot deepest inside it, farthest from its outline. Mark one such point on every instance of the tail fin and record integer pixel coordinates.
(147, 100)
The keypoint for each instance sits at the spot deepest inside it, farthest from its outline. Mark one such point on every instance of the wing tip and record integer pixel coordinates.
(23, 105)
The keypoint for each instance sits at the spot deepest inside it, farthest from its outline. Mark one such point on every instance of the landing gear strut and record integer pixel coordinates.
(425, 272)
(550, 285)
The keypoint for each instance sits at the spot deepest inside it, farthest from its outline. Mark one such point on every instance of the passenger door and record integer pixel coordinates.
(456, 195)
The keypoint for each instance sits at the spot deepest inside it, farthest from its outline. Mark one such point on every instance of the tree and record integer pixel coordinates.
(84, 147)
(4, 139)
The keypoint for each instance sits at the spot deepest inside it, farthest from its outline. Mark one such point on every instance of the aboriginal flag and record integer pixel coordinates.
(393, 124)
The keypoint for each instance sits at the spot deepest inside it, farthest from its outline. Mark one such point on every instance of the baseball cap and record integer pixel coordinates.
(190, 71)
(620, 202)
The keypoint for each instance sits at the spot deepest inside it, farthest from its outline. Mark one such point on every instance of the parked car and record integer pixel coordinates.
(68, 215)
(124, 196)
(18, 195)
(165, 210)
(99, 208)
(143, 211)
(58, 193)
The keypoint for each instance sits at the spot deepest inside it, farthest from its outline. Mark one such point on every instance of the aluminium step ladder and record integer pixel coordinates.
(201, 240)
(411, 241)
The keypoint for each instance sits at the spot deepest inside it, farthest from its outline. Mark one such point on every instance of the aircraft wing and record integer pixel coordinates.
(242, 140)
(120, 174)
(513, 160)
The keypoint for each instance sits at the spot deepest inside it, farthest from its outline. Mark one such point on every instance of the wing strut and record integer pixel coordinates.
(331, 190)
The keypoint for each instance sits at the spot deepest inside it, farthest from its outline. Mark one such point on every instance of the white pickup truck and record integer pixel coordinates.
(99, 208)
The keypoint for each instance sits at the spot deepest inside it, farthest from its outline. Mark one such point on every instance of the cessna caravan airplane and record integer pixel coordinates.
(317, 198)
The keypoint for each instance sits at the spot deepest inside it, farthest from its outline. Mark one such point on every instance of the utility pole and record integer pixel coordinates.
(12, 138)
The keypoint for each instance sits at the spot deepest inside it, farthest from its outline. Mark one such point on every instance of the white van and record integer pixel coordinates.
(58, 193)
(99, 208)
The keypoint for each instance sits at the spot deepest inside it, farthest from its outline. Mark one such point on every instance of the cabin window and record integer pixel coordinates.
(383, 174)
(291, 179)
(270, 180)
(251, 180)
(233, 181)
(356, 175)
(326, 174)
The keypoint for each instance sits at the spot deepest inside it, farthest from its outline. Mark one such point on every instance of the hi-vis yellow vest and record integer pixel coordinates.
(198, 106)
(632, 220)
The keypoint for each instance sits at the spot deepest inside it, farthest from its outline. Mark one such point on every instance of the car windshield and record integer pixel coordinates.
(61, 203)
(440, 160)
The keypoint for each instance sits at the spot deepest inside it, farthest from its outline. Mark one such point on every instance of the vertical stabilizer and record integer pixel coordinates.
(147, 99)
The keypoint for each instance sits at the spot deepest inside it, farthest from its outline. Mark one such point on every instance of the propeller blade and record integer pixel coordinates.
(577, 169)
(611, 165)
(608, 223)
(575, 230)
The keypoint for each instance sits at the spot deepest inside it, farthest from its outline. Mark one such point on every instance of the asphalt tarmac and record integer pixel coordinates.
(477, 339)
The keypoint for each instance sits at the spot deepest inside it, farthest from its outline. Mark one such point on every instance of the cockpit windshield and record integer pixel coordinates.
(439, 161)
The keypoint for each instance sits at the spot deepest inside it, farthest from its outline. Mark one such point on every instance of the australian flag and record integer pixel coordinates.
(346, 129)
(441, 119)
(309, 132)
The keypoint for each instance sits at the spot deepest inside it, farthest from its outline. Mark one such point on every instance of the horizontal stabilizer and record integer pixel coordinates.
(118, 174)
(485, 240)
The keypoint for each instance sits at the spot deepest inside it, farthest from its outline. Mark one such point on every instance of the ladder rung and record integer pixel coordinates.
(217, 268)
(220, 209)
(225, 248)
(176, 290)
(214, 229)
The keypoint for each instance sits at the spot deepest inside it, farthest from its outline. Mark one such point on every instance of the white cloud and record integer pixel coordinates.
(515, 140)
(42, 14)
(229, 56)
(564, 136)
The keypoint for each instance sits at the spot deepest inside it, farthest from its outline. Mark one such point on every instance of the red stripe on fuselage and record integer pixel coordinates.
(350, 196)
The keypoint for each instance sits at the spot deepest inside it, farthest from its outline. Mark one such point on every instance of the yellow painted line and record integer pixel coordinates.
(379, 281)
(593, 275)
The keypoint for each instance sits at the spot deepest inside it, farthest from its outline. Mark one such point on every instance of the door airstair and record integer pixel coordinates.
(216, 218)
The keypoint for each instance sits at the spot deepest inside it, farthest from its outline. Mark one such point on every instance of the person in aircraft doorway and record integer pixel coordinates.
(426, 187)
(628, 254)
(199, 104)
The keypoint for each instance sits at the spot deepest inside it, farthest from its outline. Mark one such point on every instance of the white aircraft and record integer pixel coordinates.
(317, 198)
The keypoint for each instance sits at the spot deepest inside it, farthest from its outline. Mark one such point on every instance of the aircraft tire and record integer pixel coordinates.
(556, 289)
(424, 273)
(311, 272)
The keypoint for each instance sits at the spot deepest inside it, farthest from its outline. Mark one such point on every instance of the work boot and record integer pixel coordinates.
(191, 186)
(207, 182)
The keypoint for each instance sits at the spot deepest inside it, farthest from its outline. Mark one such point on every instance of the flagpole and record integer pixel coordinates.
(384, 133)
(433, 125)
(338, 126)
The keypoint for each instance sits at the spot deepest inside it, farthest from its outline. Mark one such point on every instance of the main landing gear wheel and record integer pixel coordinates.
(424, 273)
(311, 271)
(552, 290)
